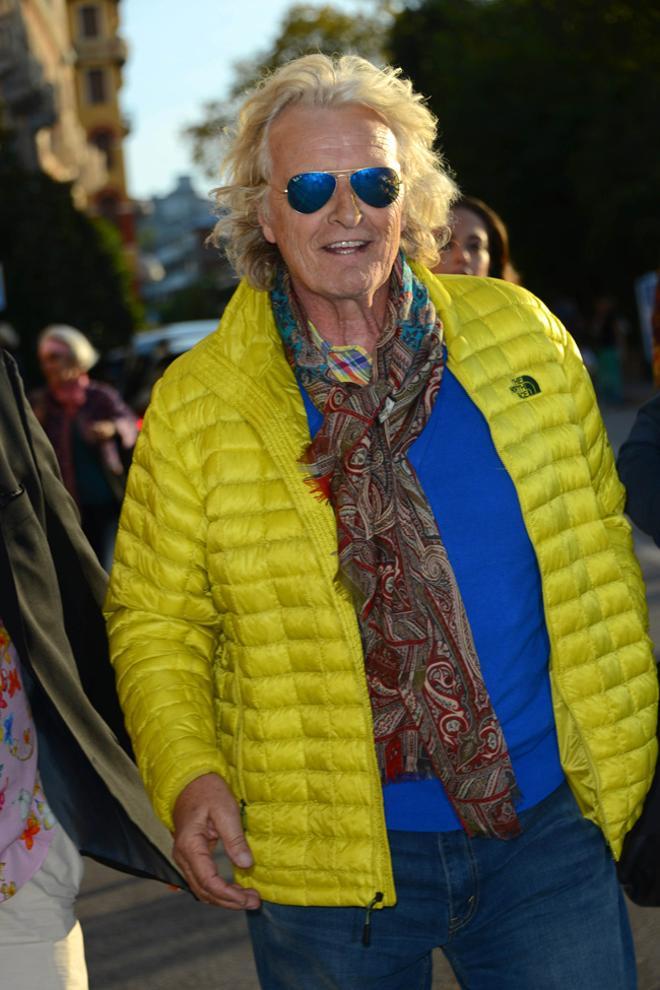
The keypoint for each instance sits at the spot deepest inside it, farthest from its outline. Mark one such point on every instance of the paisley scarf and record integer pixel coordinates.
(431, 709)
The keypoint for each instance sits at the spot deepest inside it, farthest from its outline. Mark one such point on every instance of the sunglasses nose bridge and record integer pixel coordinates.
(345, 201)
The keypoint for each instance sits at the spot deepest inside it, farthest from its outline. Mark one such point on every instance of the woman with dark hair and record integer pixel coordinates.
(479, 243)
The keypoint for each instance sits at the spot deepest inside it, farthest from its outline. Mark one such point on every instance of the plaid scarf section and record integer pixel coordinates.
(431, 709)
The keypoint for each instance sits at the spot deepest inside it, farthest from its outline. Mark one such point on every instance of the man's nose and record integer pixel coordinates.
(346, 208)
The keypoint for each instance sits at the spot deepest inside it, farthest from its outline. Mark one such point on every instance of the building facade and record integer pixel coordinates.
(100, 53)
(60, 76)
(38, 97)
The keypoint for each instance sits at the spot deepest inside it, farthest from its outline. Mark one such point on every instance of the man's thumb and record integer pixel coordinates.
(238, 851)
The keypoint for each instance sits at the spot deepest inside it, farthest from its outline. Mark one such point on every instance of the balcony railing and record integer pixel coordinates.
(112, 49)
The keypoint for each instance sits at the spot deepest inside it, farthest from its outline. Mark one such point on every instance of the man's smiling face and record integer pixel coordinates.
(346, 249)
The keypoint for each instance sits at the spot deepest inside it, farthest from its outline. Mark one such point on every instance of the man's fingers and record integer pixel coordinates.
(208, 886)
(195, 861)
(212, 833)
(229, 895)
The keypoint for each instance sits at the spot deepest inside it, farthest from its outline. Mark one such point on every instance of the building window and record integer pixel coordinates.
(96, 86)
(90, 22)
(105, 142)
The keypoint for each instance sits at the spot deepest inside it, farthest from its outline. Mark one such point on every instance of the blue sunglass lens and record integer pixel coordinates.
(309, 191)
(377, 187)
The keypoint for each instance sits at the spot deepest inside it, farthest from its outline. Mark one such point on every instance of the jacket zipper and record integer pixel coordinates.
(366, 931)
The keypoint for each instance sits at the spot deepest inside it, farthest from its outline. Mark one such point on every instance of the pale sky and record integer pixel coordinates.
(181, 54)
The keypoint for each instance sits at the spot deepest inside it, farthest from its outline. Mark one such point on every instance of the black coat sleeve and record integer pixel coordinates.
(639, 468)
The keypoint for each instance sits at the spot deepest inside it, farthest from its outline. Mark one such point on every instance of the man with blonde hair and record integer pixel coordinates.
(375, 615)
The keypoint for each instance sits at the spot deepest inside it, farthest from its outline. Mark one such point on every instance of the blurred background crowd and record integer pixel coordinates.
(548, 118)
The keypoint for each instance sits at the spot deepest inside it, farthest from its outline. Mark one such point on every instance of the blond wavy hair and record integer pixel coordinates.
(317, 80)
(81, 351)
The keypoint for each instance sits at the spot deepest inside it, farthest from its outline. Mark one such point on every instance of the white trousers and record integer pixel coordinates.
(41, 943)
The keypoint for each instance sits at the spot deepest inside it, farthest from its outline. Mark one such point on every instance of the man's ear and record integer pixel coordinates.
(404, 214)
(266, 229)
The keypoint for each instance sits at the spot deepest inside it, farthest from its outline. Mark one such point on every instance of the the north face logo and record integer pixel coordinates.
(525, 386)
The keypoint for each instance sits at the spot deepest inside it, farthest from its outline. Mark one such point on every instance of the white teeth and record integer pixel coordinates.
(346, 244)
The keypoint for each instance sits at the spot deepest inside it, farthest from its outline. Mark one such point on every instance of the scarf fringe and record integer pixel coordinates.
(320, 487)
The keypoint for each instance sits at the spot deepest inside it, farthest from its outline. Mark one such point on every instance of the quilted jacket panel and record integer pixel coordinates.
(238, 652)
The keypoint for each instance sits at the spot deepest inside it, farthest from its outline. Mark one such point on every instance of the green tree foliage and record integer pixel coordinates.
(304, 29)
(548, 110)
(59, 265)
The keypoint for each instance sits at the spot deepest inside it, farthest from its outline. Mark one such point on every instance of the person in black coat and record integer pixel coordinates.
(638, 464)
(55, 679)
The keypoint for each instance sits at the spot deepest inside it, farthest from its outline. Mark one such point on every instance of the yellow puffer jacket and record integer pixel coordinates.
(237, 652)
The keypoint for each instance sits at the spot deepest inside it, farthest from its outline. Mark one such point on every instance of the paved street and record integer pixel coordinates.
(143, 936)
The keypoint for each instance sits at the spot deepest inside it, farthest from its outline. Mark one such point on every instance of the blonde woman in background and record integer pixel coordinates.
(91, 428)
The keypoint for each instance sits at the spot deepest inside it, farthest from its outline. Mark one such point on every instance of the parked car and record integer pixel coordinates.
(174, 337)
(134, 369)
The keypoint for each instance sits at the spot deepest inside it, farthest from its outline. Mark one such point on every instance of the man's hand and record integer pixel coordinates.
(206, 811)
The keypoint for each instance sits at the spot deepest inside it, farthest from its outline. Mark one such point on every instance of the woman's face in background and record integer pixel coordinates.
(468, 251)
(57, 362)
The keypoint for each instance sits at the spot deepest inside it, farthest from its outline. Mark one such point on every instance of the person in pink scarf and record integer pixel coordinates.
(91, 428)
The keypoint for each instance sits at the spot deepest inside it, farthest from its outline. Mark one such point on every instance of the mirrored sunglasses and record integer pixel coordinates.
(309, 191)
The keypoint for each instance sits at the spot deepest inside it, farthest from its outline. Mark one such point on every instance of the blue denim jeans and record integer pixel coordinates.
(540, 912)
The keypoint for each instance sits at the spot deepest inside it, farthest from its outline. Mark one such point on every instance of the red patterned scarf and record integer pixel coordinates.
(431, 709)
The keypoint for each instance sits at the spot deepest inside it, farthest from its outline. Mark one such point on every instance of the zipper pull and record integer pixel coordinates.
(366, 931)
(243, 811)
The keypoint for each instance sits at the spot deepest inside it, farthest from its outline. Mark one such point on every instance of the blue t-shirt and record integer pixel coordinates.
(478, 514)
